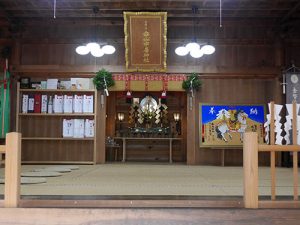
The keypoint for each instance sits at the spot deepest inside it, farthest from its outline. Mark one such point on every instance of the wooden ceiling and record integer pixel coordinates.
(177, 9)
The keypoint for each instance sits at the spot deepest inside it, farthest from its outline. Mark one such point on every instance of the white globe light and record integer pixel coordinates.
(92, 46)
(208, 49)
(181, 51)
(82, 50)
(97, 52)
(196, 53)
(192, 45)
(108, 49)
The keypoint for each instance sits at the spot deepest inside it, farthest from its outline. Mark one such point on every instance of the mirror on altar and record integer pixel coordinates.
(148, 107)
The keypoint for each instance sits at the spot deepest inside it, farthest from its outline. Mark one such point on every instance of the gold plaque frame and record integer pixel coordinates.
(146, 67)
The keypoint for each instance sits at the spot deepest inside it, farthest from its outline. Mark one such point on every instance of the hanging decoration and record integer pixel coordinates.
(192, 83)
(127, 88)
(220, 13)
(150, 77)
(103, 80)
(128, 97)
(133, 114)
(54, 9)
(291, 84)
(163, 97)
(161, 113)
(153, 82)
(164, 92)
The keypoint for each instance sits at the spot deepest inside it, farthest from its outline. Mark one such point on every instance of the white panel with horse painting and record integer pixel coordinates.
(225, 125)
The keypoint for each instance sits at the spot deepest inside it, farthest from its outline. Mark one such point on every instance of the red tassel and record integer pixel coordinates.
(128, 97)
(163, 97)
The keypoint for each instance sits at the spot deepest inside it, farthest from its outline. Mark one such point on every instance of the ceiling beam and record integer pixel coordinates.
(290, 13)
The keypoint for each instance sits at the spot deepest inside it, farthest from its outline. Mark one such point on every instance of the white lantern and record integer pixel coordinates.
(192, 45)
(97, 52)
(93, 46)
(82, 50)
(196, 53)
(181, 51)
(108, 49)
(208, 49)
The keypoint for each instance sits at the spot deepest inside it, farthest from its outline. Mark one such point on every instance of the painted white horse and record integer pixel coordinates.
(222, 128)
(230, 122)
(242, 118)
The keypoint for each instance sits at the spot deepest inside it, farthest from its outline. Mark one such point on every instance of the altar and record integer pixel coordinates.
(125, 141)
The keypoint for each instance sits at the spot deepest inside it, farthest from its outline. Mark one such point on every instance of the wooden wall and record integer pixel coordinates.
(240, 47)
(245, 68)
(234, 91)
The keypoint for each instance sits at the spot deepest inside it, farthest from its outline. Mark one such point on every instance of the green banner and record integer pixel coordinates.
(5, 104)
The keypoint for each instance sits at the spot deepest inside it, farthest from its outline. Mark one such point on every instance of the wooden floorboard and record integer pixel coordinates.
(163, 216)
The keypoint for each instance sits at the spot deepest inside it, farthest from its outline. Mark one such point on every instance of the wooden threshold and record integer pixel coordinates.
(150, 203)
(268, 204)
(28, 203)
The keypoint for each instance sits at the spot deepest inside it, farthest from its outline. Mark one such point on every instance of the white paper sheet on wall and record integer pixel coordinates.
(88, 103)
(68, 128)
(77, 103)
(68, 104)
(89, 128)
(24, 103)
(78, 128)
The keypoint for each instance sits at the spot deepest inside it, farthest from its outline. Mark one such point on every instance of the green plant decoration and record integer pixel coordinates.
(193, 82)
(103, 80)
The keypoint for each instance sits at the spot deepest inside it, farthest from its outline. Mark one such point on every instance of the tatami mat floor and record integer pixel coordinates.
(154, 179)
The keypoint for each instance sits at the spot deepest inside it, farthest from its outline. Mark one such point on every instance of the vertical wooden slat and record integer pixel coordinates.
(295, 154)
(295, 173)
(272, 142)
(95, 130)
(250, 164)
(18, 107)
(191, 147)
(100, 126)
(170, 150)
(12, 170)
(124, 149)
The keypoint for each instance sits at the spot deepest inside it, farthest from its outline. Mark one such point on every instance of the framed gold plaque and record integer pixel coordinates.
(145, 41)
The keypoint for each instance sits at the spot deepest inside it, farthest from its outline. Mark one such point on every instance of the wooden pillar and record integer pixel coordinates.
(295, 154)
(191, 147)
(12, 170)
(272, 154)
(250, 163)
(111, 114)
(16, 61)
(101, 127)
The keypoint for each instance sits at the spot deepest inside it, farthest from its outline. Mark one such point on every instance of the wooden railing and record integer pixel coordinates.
(251, 149)
(12, 151)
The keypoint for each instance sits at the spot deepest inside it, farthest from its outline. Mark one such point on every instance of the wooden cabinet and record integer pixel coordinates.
(42, 133)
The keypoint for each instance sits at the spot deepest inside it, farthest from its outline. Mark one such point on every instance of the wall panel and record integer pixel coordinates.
(242, 49)
(235, 91)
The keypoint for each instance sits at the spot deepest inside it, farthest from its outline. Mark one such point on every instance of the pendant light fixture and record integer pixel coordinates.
(195, 49)
(93, 47)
